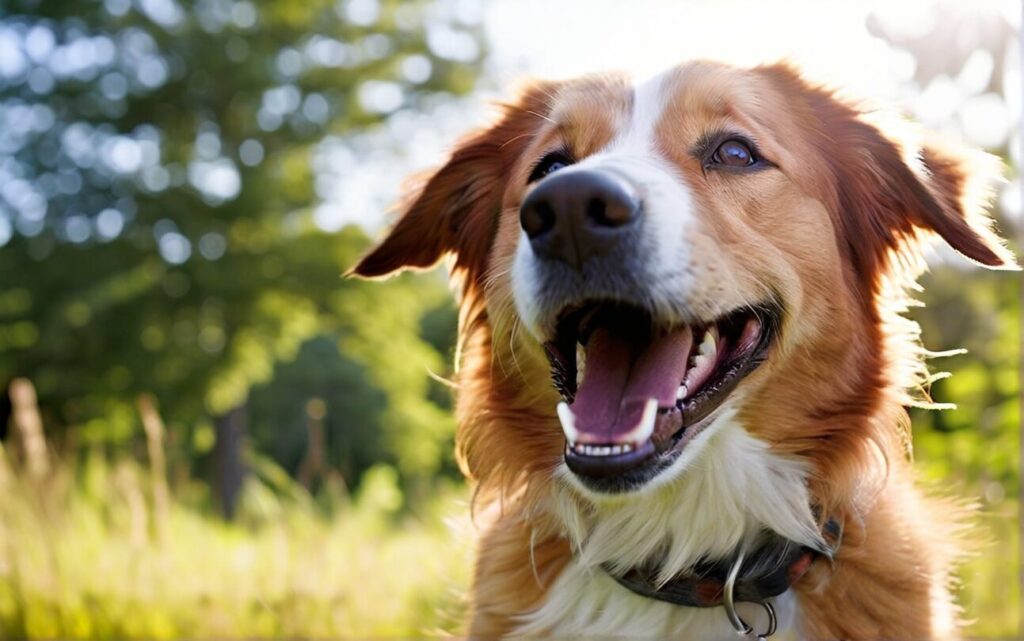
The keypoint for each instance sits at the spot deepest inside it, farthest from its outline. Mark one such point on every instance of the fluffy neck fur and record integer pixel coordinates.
(545, 536)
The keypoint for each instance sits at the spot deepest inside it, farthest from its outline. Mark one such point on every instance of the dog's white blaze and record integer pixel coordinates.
(725, 486)
(648, 104)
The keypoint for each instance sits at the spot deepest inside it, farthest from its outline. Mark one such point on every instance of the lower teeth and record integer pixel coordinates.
(601, 450)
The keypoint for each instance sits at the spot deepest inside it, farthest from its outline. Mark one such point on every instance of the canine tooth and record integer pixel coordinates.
(682, 392)
(645, 427)
(568, 421)
(626, 447)
(709, 345)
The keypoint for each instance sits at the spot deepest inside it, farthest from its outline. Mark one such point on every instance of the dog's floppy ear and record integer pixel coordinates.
(886, 188)
(454, 210)
(938, 187)
(959, 182)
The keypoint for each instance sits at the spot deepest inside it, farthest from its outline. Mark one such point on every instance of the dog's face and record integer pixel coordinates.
(714, 242)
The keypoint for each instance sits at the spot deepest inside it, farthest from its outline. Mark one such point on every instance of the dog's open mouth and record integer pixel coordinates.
(635, 394)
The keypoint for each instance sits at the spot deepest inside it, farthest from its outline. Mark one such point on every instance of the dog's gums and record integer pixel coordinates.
(635, 394)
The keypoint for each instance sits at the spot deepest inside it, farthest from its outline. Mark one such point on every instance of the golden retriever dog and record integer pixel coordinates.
(683, 373)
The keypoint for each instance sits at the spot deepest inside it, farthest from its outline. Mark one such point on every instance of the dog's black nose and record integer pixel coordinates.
(574, 215)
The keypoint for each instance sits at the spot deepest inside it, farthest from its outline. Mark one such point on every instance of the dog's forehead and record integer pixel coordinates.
(680, 102)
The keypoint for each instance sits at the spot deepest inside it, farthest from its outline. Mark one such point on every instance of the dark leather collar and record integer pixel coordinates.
(772, 566)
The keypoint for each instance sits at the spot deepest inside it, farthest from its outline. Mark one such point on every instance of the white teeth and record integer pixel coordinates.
(638, 435)
(645, 427)
(601, 450)
(581, 364)
(568, 421)
(682, 392)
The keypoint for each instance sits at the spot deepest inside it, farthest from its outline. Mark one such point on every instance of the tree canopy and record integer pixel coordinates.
(157, 209)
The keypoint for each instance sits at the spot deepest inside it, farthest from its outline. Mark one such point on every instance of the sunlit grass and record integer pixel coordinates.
(990, 581)
(86, 557)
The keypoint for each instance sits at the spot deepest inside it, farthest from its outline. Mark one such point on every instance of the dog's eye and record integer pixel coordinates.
(549, 164)
(733, 153)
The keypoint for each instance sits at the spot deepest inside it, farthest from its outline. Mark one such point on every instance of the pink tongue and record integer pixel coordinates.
(622, 373)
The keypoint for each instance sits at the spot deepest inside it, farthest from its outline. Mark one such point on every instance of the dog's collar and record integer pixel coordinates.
(773, 564)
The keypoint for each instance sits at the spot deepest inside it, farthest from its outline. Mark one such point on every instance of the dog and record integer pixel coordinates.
(683, 371)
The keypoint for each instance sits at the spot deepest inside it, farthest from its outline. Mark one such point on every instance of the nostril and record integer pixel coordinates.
(537, 218)
(597, 211)
(611, 212)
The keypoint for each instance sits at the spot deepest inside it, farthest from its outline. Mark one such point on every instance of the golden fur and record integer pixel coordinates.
(835, 233)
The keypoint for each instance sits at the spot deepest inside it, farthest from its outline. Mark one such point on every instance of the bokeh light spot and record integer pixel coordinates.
(174, 248)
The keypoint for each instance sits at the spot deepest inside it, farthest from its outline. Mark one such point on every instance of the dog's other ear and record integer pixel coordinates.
(960, 183)
(885, 187)
(454, 209)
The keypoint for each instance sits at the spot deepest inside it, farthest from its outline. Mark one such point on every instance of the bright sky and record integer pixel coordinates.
(570, 37)
(829, 39)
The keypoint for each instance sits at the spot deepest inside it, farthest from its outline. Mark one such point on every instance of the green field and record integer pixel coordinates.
(87, 555)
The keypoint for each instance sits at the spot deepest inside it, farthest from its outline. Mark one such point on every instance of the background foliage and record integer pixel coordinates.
(165, 170)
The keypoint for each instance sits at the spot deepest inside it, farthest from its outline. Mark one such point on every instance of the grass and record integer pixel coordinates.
(990, 592)
(86, 557)
(85, 554)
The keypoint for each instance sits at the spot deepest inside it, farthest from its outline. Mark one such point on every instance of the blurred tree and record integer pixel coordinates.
(157, 196)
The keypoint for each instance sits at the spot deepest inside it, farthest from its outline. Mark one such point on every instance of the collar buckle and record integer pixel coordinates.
(741, 627)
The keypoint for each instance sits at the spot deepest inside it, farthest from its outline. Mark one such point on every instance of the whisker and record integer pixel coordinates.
(540, 115)
(515, 138)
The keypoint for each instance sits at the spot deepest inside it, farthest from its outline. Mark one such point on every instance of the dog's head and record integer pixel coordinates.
(716, 241)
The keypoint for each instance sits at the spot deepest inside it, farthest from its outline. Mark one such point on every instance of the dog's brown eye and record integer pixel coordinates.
(548, 165)
(734, 153)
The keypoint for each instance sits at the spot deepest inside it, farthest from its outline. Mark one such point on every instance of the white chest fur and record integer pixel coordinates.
(725, 486)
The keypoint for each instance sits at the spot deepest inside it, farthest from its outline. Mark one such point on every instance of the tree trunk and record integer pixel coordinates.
(229, 470)
(314, 465)
(28, 427)
(154, 428)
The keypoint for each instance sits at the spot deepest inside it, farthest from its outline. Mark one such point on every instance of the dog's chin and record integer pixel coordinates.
(638, 394)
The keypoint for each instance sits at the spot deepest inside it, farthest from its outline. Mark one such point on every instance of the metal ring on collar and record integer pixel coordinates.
(742, 627)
